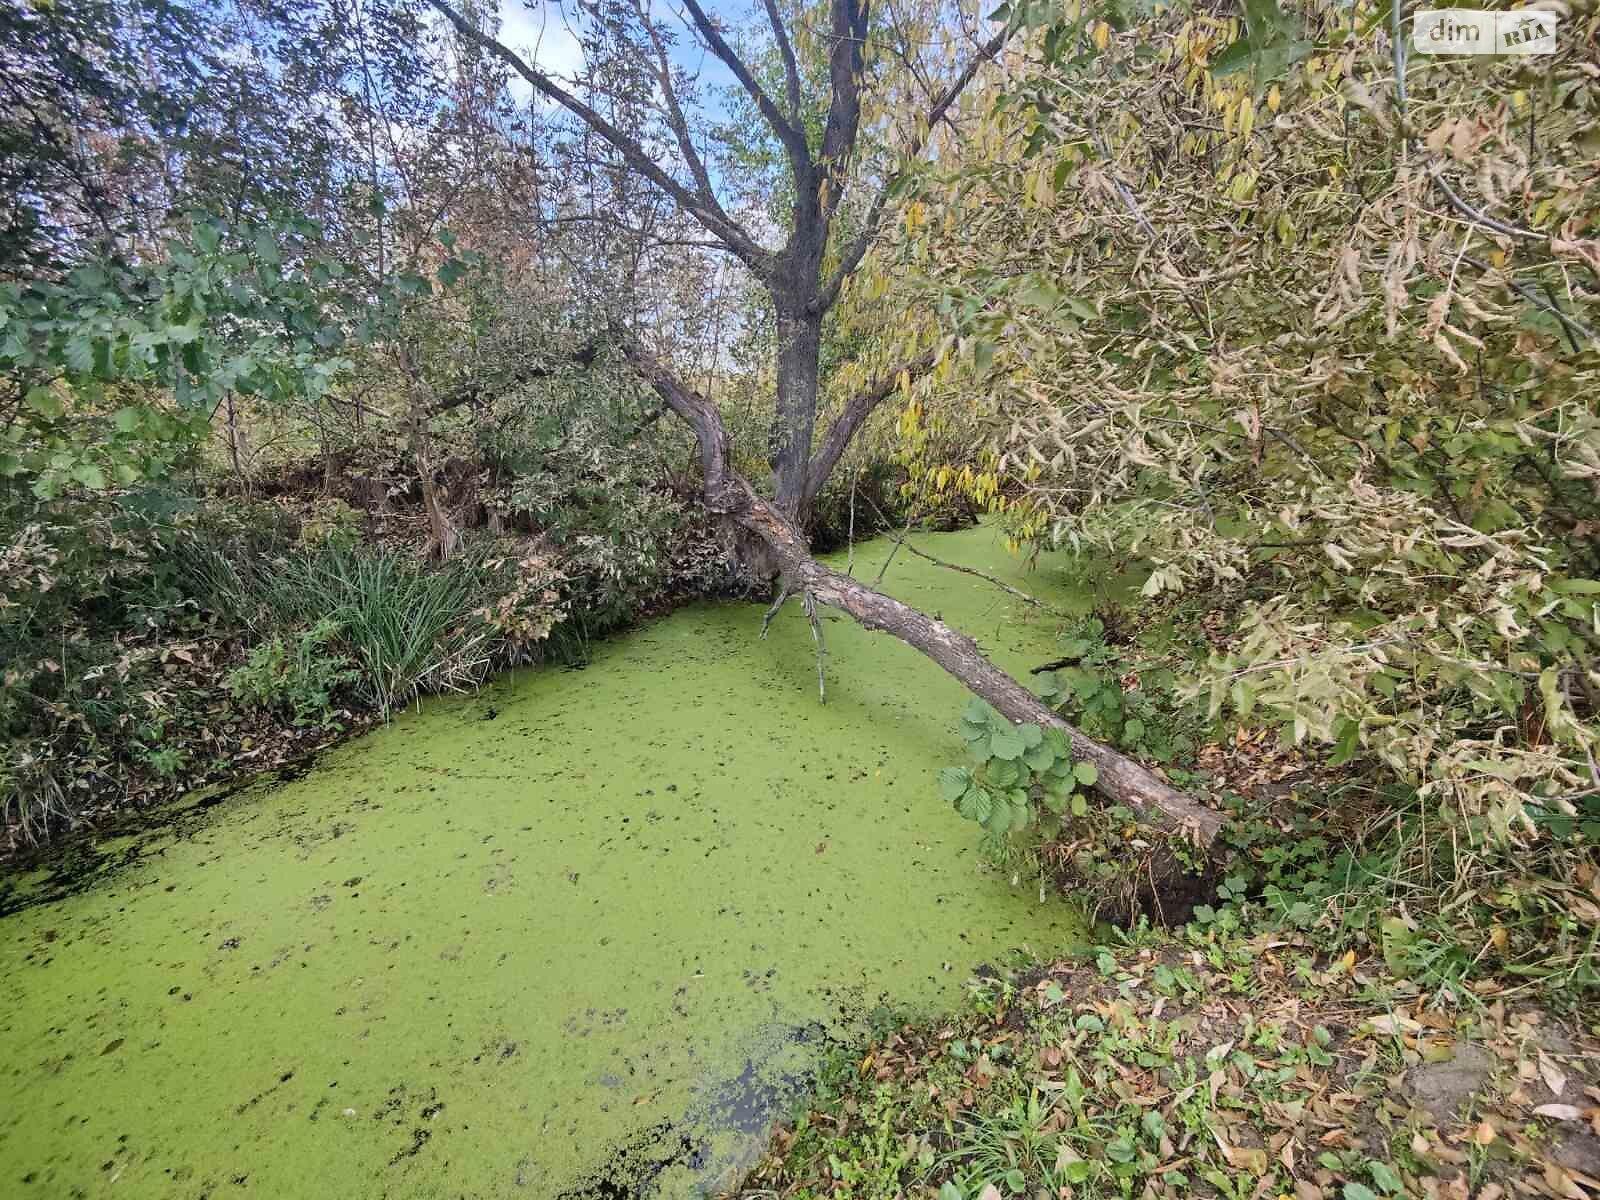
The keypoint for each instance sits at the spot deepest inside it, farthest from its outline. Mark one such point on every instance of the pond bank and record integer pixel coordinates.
(580, 934)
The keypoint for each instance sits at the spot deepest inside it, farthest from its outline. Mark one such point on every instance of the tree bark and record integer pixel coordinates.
(1120, 777)
(795, 421)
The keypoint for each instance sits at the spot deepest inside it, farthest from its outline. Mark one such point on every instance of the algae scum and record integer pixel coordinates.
(581, 935)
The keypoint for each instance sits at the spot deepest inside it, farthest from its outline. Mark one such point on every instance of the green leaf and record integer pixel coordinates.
(1016, 1181)
(1021, 811)
(949, 1191)
(450, 271)
(1003, 772)
(1039, 758)
(954, 782)
(45, 402)
(977, 805)
(1383, 1175)
(1359, 1191)
(267, 248)
(1006, 742)
(89, 475)
(1080, 806)
(1153, 1125)
(1085, 773)
(999, 818)
(79, 353)
(127, 419)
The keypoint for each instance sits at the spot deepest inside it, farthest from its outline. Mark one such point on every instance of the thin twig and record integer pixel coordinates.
(950, 566)
(1570, 324)
(850, 538)
(783, 594)
(898, 542)
(810, 603)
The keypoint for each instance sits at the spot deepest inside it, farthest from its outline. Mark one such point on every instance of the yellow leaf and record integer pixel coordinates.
(1102, 35)
(1274, 97)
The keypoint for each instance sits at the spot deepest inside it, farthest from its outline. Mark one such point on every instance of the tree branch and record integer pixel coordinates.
(848, 35)
(473, 390)
(856, 410)
(675, 117)
(717, 222)
(851, 258)
(791, 69)
(790, 134)
(730, 496)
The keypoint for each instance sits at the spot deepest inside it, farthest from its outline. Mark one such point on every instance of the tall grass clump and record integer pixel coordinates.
(409, 627)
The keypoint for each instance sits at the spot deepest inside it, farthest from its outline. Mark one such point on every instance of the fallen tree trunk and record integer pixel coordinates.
(1120, 777)
(730, 496)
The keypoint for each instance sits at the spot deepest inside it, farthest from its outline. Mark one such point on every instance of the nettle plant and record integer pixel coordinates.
(1023, 779)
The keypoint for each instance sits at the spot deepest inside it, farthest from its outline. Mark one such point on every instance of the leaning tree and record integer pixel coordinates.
(839, 205)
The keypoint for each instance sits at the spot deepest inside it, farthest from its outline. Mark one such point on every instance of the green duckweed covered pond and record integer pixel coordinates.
(579, 935)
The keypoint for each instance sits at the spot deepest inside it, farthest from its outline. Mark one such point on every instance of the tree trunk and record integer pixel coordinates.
(443, 534)
(799, 342)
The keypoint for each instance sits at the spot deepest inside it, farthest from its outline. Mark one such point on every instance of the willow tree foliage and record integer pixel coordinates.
(1265, 301)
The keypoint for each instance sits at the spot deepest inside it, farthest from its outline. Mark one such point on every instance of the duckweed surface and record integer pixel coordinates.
(579, 935)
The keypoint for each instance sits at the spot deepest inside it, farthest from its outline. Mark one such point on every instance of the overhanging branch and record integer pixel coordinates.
(789, 132)
(855, 412)
(709, 215)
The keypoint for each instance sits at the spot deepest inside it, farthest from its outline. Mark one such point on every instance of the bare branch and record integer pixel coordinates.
(856, 410)
(674, 113)
(1474, 215)
(791, 69)
(851, 258)
(1574, 328)
(717, 222)
(1018, 593)
(789, 133)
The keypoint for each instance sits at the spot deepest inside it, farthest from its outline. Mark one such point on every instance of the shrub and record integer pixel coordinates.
(299, 677)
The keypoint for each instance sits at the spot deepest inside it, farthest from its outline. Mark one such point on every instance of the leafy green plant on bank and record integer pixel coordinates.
(300, 675)
(1148, 720)
(1022, 781)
